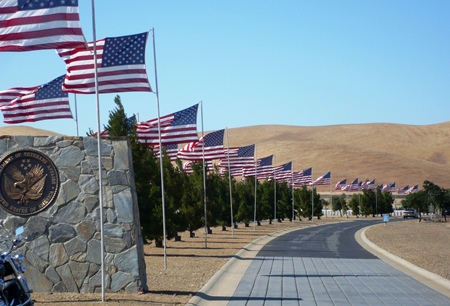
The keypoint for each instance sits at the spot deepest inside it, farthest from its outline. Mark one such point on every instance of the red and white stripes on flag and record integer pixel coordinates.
(284, 172)
(323, 179)
(176, 128)
(187, 166)
(236, 159)
(30, 104)
(213, 148)
(371, 185)
(263, 170)
(171, 151)
(403, 190)
(388, 187)
(354, 186)
(340, 185)
(302, 177)
(413, 189)
(120, 66)
(36, 25)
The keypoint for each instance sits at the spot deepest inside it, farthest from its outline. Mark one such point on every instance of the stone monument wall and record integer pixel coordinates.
(63, 248)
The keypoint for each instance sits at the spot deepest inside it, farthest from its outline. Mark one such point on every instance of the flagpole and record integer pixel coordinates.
(100, 193)
(274, 192)
(312, 198)
(204, 180)
(163, 204)
(331, 190)
(229, 183)
(292, 186)
(76, 114)
(254, 202)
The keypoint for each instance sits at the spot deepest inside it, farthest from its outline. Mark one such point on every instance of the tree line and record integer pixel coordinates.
(184, 194)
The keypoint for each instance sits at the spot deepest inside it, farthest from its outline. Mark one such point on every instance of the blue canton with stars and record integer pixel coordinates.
(248, 151)
(266, 161)
(51, 90)
(24, 5)
(186, 116)
(124, 50)
(214, 139)
(287, 167)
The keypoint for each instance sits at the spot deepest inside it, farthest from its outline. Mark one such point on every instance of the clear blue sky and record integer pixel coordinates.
(305, 63)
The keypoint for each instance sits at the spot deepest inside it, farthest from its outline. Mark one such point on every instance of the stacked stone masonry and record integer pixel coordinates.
(63, 248)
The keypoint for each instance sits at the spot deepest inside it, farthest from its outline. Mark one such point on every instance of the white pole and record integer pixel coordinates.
(312, 198)
(292, 186)
(76, 114)
(275, 193)
(254, 202)
(229, 183)
(331, 191)
(204, 180)
(161, 168)
(100, 193)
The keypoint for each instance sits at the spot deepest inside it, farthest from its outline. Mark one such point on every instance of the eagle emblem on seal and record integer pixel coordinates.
(27, 186)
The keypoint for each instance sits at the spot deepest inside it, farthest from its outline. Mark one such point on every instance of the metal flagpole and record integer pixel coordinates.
(312, 198)
(274, 193)
(331, 190)
(76, 114)
(204, 180)
(254, 204)
(229, 183)
(292, 186)
(100, 193)
(160, 154)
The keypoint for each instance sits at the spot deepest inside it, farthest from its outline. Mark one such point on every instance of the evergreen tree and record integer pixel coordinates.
(119, 124)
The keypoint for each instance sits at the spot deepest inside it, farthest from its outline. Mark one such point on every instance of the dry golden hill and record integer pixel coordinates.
(21, 130)
(405, 154)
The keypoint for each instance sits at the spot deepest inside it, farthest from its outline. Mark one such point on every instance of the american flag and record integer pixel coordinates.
(187, 166)
(371, 185)
(363, 185)
(302, 177)
(263, 168)
(120, 66)
(238, 158)
(284, 172)
(412, 189)
(30, 104)
(323, 180)
(171, 151)
(403, 190)
(179, 127)
(27, 25)
(388, 187)
(354, 186)
(339, 185)
(213, 148)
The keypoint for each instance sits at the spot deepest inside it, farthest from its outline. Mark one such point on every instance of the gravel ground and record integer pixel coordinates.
(191, 262)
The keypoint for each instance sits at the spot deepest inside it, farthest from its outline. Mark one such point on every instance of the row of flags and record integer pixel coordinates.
(29, 25)
(120, 67)
(357, 185)
(37, 25)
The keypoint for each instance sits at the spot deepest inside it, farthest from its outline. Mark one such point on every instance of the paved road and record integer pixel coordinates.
(319, 265)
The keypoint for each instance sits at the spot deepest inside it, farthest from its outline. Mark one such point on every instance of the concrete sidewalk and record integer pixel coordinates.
(250, 280)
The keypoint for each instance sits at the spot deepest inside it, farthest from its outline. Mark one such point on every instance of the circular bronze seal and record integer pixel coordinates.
(29, 182)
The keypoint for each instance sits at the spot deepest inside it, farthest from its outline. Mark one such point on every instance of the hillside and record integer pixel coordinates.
(405, 154)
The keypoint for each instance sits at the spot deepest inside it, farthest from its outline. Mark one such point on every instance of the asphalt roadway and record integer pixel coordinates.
(330, 264)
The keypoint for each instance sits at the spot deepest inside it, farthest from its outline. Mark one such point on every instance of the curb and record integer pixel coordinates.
(426, 277)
